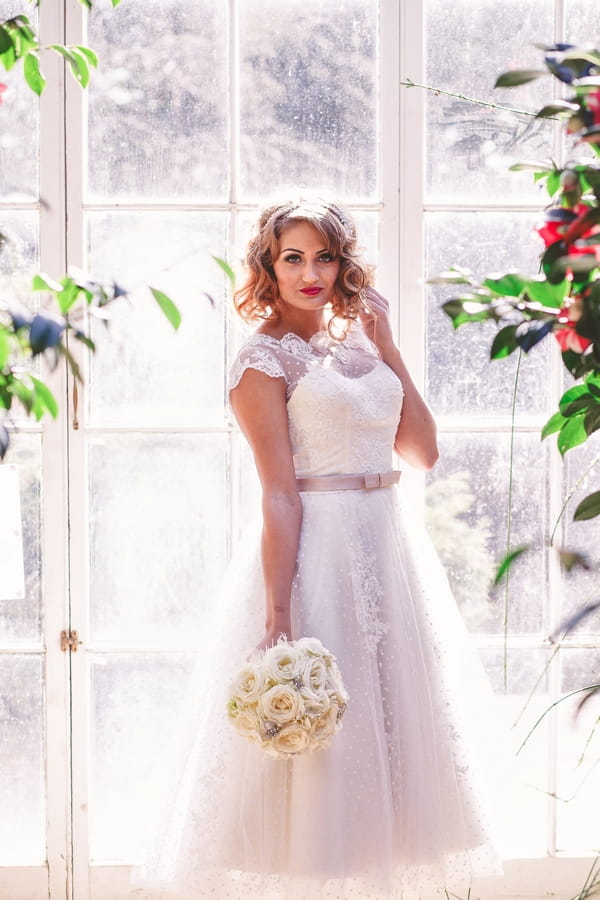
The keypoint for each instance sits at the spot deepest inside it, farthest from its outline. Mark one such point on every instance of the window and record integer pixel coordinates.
(134, 498)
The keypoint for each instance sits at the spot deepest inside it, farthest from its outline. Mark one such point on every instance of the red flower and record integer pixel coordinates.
(3, 87)
(568, 338)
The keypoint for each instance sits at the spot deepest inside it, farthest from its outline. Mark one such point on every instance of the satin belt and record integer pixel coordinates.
(370, 481)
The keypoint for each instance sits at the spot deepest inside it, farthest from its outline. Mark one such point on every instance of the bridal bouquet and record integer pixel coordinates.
(289, 698)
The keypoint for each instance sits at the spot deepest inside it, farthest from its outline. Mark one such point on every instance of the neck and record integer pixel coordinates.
(304, 324)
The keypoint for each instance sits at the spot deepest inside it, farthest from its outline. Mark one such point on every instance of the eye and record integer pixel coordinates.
(326, 257)
(292, 258)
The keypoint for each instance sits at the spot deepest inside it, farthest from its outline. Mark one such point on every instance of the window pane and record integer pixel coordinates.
(144, 372)
(461, 380)
(19, 136)
(20, 620)
(579, 754)
(19, 254)
(158, 542)
(470, 147)
(580, 586)
(308, 96)
(582, 22)
(135, 701)
(158, 103)
(22, 796)
(467, 518)
(524, 799)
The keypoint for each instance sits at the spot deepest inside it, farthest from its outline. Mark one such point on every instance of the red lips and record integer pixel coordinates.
(312, 291)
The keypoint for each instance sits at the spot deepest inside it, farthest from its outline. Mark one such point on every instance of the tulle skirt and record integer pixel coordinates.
(396, 802)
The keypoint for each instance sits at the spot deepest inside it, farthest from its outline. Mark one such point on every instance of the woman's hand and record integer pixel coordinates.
(376, 321)
(272, 635)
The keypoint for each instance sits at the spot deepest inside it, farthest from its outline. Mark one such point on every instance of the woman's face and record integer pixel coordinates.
(305, 270)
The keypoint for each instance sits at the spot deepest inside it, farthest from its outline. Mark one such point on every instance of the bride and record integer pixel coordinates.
(323, 397)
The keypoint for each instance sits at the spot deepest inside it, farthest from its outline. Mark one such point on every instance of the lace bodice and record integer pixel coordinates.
(343, 402)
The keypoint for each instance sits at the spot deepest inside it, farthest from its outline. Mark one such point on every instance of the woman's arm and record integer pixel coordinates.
(416, 437)
(259, 404)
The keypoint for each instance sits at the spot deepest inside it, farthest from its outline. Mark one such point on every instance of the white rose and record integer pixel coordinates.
(247, 723)
(324, 728)
(314, 674)
(314, 647)
(249, 683)
(315, 702)
(280, 704)
(283, 662)
(293, 738)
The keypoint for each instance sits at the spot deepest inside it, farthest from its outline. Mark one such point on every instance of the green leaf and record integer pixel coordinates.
(556, 108)
(509, 285)
(89, 54)
(507, 562)
(572, 434)
(115, 2)
(588, 508)
(77, 63)
(466, 309)
(515, 77)
(539, 290)
(553, 182)
(67, 297)
(574, 393)
(44, 283)
(591, 421)
(80, 68)
(4, 347)
(168, 307)
(80, 336)
(454, 275)
(543, 167)
(226, 268)
(46, 396)
(31, 70)
(5, 40)
(554, 424)
(504, 343)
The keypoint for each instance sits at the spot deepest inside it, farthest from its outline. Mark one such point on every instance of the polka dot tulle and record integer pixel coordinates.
(394, 805)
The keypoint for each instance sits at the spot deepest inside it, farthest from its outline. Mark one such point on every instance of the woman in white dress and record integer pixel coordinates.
(323, 397)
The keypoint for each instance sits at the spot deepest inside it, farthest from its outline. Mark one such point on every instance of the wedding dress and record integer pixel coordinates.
(394, 803)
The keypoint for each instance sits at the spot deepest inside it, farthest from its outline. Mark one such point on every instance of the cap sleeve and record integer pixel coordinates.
(262, 358)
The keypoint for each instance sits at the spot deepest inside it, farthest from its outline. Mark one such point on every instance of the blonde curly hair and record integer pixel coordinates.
(257, 298)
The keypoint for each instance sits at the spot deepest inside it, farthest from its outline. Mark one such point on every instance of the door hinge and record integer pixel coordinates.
(69, 640)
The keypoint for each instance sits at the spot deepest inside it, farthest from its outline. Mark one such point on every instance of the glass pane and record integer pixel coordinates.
(19, 136)
(579, 754)
(144, 372)
(582, 22)
(20, 620)
(467, 516)
(580, 586)
(308, 96)
(523, 801)
(471, 147)
(22, 797)
(19, 255)
(135, 704)
(164, 80)
(461, 379)
(157, 519)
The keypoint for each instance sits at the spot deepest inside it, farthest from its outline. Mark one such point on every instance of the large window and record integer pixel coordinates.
(133, 500)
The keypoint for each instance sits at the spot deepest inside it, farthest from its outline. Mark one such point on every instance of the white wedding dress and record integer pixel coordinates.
(394, 803)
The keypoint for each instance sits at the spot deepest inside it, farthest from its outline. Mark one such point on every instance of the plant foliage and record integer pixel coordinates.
(564, 299)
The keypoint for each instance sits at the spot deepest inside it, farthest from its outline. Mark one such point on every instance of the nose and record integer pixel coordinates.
(309, 272)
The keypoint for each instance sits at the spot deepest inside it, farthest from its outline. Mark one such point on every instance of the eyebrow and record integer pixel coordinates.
(301, 252)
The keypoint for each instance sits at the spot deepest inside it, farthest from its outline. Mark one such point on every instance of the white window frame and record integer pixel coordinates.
(401, 277)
